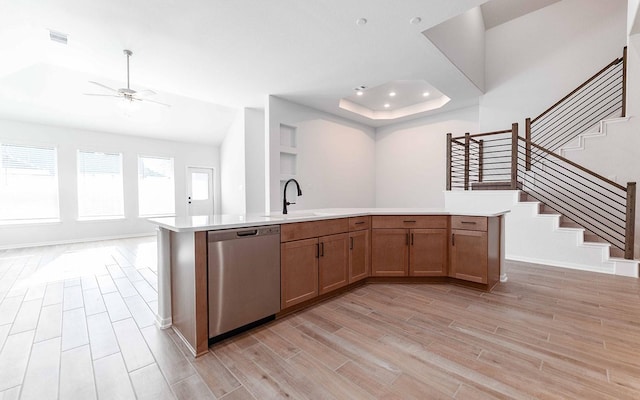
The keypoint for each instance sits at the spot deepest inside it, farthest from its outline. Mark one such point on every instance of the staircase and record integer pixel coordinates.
(539, 237)
(561, 212)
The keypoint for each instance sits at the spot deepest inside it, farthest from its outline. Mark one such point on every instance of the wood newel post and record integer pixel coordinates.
(624, 82)
(527, 137)
(480, 159)
(514, 156)
(448, 161)
(467, 140)
(630, 226)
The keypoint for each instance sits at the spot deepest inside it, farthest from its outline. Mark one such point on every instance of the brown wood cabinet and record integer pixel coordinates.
(428, 252)
(319, 257)
(476, 249)
(314, 259)
(299, 271)
(389, 252)
(409, 246)
(359, 255)
(333, 262)
(469, 255)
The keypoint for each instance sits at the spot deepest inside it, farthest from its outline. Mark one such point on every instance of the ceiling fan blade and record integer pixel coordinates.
(104, 86)
(157, 102)
(101, 95)
(146, 92)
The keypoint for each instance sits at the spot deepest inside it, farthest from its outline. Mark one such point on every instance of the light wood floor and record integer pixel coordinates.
(77, 322)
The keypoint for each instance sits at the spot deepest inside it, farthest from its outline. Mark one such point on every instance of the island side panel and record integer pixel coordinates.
(202, 293)
(495, 250)
(189, 289)
(163, 318)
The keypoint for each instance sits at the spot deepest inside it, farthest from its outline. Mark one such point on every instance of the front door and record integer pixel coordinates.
(199, 191)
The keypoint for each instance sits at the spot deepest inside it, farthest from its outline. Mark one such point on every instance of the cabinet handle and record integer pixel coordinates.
(409, 221)
(359, 223)
(453, 239)
(412, 239)
(351, 244)
(468, 222)
(317, 250)
(322, 249)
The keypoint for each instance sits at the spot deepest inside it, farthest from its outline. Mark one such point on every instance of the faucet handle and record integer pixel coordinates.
(289, 203)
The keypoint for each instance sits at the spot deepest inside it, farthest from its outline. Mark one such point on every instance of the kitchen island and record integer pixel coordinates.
(326, 252)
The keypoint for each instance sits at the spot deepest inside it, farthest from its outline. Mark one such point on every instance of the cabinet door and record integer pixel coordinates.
(359, 255)
(468, 255)
(333, 262)
(390, 252)
(428, 252)
(299, 271)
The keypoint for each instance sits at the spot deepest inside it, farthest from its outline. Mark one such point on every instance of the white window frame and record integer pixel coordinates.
(37, 220)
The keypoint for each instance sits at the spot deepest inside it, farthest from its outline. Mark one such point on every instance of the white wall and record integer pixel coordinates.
(232, 168)
(68, 141)
(461, 39)
(255, 144)
(535, 60)
(336, 158)
(411, 158)
(633, 17)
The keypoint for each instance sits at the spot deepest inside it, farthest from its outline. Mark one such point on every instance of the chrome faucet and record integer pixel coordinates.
(285, 203)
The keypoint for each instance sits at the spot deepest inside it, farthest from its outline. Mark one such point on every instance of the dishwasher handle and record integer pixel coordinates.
(242, 233)
(252, 232)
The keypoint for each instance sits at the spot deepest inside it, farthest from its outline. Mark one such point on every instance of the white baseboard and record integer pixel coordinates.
(553, 263)
(163, 323)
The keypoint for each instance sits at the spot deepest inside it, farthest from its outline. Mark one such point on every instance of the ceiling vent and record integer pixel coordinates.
(58, 37)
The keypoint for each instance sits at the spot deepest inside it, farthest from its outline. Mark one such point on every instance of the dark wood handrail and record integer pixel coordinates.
(612, 63)
(578, 166)
(630, 228)
(624, 81)
(484, 134)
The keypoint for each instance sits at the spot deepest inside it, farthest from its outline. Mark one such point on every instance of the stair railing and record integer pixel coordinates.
(483, 160)
(596, 203)
(601, 96)
(504, 160)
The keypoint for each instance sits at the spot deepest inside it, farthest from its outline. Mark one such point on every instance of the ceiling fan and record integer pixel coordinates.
(127, 93)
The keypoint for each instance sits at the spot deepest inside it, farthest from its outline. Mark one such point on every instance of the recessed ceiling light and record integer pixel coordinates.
(361, 21)
(387, 105)
(425, 94)
(359, 93)
(415, 20)
(392, 94)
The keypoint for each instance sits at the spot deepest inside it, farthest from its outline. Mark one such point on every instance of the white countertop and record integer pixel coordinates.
(228, 221)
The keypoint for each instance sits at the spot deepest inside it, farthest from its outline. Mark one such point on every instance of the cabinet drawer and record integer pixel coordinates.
(310, 229)
(469, 223)
(409, 221)
(359, 223)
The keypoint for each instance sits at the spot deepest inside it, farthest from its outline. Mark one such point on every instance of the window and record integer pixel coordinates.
(28, 184)
(156, 190)
(100, 189)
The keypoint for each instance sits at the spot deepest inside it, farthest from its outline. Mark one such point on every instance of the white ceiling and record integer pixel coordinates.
(210, 57)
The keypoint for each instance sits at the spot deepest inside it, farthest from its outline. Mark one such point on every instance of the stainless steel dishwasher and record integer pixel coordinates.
(244, 278)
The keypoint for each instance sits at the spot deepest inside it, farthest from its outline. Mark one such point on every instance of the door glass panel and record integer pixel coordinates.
(199, 186)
